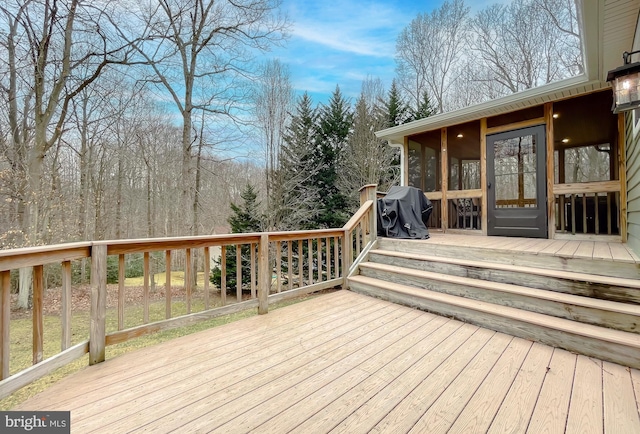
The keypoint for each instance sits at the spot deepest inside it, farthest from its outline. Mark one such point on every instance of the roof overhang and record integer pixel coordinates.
(531, 97)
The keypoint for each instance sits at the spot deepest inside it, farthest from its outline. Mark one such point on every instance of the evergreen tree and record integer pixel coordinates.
(425, 109)
(294, 197)
(397, 110)
(334, 126)
(246, 218)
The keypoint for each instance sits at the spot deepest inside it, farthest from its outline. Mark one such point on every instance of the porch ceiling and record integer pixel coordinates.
(608, 28)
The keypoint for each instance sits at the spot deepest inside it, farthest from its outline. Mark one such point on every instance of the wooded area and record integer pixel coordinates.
(125, 120)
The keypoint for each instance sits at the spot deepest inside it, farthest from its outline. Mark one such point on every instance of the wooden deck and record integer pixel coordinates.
(585, 249)
(345, 362)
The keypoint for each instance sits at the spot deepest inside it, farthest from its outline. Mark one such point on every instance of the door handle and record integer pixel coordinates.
(489, 185)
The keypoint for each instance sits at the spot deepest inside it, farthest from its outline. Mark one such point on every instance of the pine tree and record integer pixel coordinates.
(425, 109)
(246, 218)
(397, 110)
(294, 197)
(335, 123)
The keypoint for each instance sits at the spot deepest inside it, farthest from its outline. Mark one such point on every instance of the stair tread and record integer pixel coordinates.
(539, 319)
(559, 297)
(547, 272)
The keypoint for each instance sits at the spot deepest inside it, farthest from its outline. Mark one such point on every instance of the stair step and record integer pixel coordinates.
(604, 343)
(603, 267)
(621, 316)
(585, 284)
(561, 274)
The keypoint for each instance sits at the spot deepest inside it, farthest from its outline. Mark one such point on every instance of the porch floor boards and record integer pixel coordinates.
(605, 250)
(344, 362)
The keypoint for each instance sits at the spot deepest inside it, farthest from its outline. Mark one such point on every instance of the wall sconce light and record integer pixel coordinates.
(625, 82)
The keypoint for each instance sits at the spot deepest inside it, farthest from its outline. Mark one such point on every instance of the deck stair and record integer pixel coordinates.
(572, 304)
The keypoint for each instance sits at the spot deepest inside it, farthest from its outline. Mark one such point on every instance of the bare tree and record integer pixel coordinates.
(198, 52)
(273, 101)
(429, 51)
(367, 160)
(520, 56)
(46, 74)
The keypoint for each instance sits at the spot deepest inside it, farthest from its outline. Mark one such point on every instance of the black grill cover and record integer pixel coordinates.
(403, 213)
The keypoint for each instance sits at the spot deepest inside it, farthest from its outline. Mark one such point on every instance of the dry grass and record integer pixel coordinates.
(177, 279)
(21, 339)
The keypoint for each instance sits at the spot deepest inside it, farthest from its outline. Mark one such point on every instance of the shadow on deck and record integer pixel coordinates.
(345, 362)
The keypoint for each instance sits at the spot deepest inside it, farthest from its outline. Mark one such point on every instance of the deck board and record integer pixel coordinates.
(552, 407)
(517, 408)
(344, 362)
(585, 409)
(619, 400)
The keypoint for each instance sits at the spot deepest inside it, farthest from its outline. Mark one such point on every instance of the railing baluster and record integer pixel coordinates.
(278, 266)
(563, 209)
(608, 213)
(328, 257)
(121, 278)
(167, 284)
(253, 271)
(145, 296)
(290, 264)
(596, 199)
(38, 294)
(300, 264)
(5, 322)
(358, 234)
(584, 213)
(238, 272)
(310, 260)
(336, 257)
(207, 265)
(187, 278)
(573, 214)
(223, 275)
(66, 306)
(265, 275)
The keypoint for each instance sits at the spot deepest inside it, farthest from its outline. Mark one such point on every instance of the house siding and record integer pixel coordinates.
(632, 134)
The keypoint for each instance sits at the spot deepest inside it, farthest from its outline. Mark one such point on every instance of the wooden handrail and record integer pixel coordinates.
(42, 255)
(353, 221)
(587, 187)
(310, 260)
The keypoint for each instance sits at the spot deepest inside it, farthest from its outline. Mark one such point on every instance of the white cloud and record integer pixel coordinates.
(360, 28)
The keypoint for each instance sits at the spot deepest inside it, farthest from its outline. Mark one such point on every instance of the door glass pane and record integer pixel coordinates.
(515, 172)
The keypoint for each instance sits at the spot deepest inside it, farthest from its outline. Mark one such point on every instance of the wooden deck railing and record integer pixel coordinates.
(272, 266)
(588, 208)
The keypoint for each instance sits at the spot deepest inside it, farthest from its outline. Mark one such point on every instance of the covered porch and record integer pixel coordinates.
(554, 170)
(344, 362)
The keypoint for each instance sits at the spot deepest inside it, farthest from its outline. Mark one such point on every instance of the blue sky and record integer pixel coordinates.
(345, 41)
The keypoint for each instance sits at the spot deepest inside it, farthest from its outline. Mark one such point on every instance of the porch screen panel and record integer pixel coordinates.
(515, 172)
(415, 165)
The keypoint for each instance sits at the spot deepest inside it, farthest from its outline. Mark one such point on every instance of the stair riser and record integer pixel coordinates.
(580, 265)
(585, 289)
(582, 314)
(613, 352)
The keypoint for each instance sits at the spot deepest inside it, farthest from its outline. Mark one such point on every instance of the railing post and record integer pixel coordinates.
(97, 333)
(347, 257)
(369, 192)
(264, 275)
